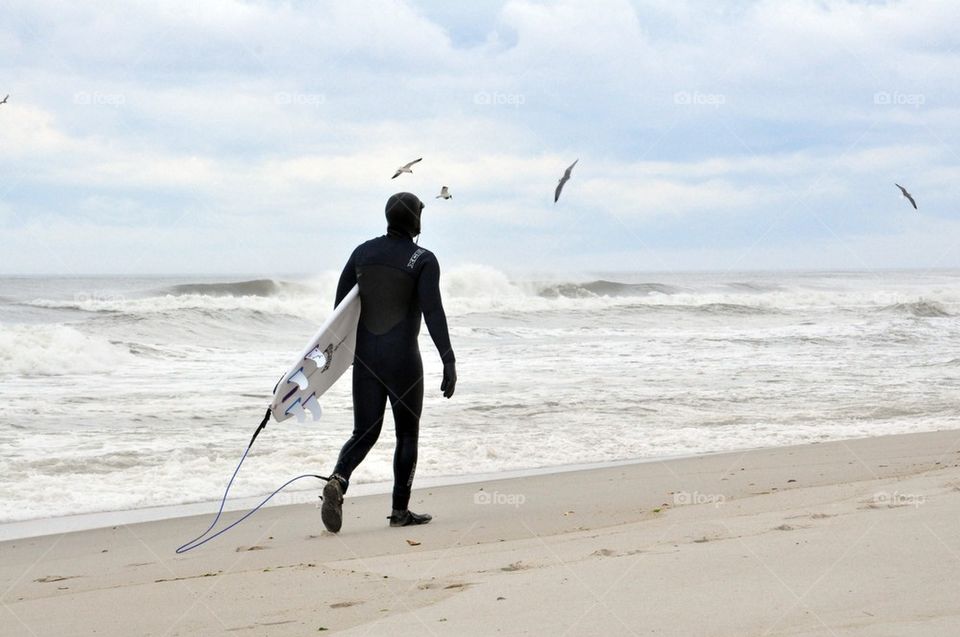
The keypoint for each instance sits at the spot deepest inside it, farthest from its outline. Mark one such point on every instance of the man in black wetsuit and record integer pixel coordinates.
(398, 281)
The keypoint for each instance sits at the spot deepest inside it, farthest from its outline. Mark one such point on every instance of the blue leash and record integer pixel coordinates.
(195, 542)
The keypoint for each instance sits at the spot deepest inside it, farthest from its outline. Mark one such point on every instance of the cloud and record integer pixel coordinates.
(270, 122)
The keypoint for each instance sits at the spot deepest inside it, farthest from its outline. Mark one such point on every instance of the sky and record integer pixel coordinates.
(243, 137)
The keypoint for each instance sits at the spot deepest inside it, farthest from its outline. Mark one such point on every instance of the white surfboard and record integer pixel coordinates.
(326, 358)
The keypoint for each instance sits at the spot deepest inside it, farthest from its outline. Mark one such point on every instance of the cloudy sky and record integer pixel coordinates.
(230, 136)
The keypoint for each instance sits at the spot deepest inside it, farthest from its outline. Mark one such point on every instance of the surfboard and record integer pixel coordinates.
(328, 355)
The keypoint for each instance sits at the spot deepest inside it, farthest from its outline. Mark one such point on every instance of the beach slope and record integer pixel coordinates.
(858, 537)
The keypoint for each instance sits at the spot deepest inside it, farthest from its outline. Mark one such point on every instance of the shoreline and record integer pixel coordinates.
(850, 538)
(39, 527)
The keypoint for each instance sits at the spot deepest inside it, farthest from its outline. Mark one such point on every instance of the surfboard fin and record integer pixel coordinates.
(313, 406)
(300, 379)
(296, 409)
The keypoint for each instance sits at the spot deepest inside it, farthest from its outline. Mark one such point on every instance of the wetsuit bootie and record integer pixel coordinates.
(408, 518)
(332, 510)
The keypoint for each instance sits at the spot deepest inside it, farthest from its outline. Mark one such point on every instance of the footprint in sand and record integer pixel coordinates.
(425, 586)
(516, 566)
(46, 579)
(177, 579)
(812, 516)
(458, 585)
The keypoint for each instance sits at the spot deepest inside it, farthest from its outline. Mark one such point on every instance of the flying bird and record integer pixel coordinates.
(405, 168)
(563, 180)
(907, 195)
(444, 194)
(4, 100)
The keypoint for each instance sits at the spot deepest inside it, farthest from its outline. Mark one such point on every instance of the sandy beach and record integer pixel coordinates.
(653, 305)
(854, 537)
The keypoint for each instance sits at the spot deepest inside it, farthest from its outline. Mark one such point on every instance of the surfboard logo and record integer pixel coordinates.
(322, 359)
(413, 259)
(319, 365)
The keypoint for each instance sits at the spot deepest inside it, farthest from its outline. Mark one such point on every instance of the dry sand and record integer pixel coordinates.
(859, 537)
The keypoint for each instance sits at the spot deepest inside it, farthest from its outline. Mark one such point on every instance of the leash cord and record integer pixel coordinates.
(200, 540)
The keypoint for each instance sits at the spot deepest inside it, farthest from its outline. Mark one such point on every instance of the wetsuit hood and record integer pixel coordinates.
(403, 214)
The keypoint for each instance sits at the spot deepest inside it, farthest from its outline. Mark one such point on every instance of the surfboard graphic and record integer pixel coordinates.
(328, 355)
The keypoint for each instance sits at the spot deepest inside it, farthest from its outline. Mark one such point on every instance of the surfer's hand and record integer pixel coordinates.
(449, 379)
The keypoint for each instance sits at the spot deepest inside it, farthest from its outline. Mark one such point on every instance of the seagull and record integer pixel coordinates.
(907, 195)
(405, 168)
(4, 100)
(563, 180)
(444, 194)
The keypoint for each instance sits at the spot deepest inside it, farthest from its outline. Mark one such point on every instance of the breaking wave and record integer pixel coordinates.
(50, 350)
(604, 288)
(480, 288)
(255, 287)
(732, 308)
(753, 287)
(921, 309)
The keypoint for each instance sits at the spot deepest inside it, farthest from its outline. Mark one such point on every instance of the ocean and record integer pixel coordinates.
(122, 393)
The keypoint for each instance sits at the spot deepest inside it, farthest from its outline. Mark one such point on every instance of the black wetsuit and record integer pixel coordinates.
(398, 281)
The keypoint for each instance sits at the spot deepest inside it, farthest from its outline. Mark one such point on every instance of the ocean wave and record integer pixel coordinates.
(49, 350)
(202, 306)
(254, 298)
(63, 464)
(747, 286)
(473, 288)
(68, 306)
(604, 288)
(479, 281)
(712, 308)
(732, 308)
(953, 362)
(921, 309)
(254, 287)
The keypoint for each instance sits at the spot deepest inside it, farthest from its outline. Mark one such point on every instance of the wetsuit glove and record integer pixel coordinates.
(449, 379)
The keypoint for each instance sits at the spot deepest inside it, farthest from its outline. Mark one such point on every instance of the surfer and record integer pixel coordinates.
(398, 282)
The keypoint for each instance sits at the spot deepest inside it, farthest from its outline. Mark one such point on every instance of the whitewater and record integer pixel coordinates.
(122, 393)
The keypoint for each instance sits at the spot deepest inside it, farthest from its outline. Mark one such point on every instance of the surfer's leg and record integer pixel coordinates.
(369, 403)
(407, 405)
